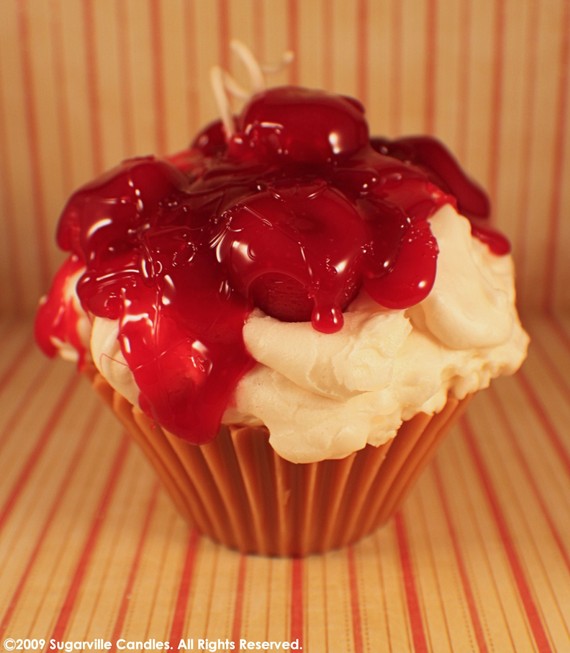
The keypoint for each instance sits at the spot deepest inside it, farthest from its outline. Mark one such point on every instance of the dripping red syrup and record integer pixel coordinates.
(293, 213)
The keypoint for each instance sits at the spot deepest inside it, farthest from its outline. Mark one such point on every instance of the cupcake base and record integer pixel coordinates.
(240, 493)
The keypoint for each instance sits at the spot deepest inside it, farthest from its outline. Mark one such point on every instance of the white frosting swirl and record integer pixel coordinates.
(323, 396)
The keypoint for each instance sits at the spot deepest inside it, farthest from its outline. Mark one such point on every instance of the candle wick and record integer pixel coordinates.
(224, 85)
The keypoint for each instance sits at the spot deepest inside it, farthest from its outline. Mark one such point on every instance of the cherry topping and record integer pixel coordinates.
(211, 140)
(495, 241)
(293, 214)
(57, 319)
(300, 125)
(295, 250)
(410, 278)
(441, 167)
(105, 217)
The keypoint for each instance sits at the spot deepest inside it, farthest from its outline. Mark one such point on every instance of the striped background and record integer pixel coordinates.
(479, 558)
(85, 83)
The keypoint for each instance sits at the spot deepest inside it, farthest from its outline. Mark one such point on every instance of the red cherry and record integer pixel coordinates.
(211, 141)
(294, 250)
(442, 168)
(401, 261)
(103, 217)
(300, 125)
(411, 275)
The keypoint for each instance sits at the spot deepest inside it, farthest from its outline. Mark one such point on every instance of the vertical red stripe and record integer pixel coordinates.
(525, 594)
(530, 68)
(238, 605)
(181, 606)
(294, 40)
(91, 40)
(385, 597)
(362, 51)
(90, 542)
(258, 19)
(396, 75)
(464, 79)
(41, 443)
(297, 601)
(354, 602)
(63, 118)
(159, 94)
(224, 34)
(328, 45)
(461, 566)
(431, 66)
(412, 598)
(38, 191)
(497, 101)
(193, 92)
(50, 516)
(126, 96)
(559, 178)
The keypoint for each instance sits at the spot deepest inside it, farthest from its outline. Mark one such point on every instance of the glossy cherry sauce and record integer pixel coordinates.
(294, 212)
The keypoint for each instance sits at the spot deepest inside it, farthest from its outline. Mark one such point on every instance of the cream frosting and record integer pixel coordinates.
(324, 396)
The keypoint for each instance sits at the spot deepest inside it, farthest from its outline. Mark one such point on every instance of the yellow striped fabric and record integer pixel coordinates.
(478, 559)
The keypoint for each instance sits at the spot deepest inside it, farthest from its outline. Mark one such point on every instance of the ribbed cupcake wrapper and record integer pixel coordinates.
(239, 492)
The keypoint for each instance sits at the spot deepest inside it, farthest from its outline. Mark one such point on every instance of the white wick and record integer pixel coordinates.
(224, 85)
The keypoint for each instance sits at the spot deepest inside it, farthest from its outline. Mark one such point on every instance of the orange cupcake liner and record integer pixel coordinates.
(240, 493)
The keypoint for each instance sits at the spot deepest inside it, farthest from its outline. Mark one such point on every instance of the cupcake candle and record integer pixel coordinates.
(287, 275)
